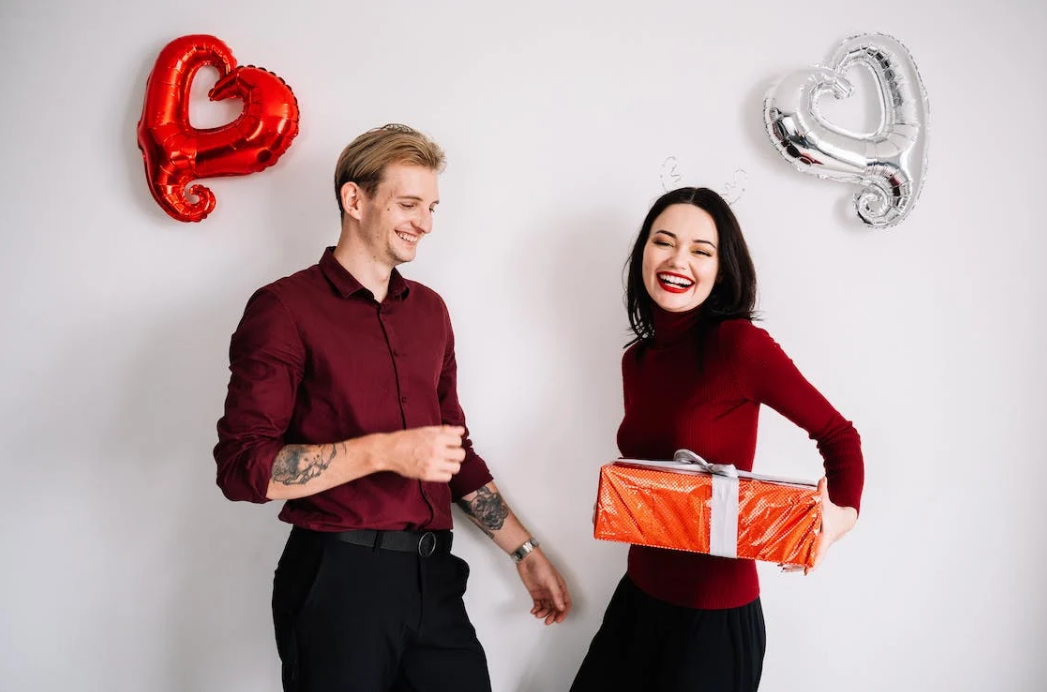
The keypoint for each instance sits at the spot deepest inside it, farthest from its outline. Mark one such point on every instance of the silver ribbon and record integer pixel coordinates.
(723, 522)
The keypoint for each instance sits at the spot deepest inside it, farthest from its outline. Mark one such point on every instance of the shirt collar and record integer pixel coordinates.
(347, 285)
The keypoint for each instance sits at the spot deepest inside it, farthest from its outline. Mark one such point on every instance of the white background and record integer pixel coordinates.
(124, 568)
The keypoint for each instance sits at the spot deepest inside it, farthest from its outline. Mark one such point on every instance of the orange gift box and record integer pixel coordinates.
(689, 504)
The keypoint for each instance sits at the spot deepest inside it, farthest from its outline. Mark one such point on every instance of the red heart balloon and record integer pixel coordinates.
(175, 152)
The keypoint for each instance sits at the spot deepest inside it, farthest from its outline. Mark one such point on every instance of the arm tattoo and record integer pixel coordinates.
(299, 464)
(487, 510)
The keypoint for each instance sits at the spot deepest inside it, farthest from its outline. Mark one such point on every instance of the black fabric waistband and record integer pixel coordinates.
(423, 543)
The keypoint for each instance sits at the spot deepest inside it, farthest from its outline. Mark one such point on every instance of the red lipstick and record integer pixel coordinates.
(674, 283)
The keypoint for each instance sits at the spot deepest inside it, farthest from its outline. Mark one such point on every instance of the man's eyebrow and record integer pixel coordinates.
(415, 198)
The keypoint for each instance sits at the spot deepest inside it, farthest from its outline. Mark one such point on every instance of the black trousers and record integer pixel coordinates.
(354, 619)
(647, 644)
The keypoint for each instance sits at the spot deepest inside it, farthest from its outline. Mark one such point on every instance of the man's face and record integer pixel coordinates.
(394, 220)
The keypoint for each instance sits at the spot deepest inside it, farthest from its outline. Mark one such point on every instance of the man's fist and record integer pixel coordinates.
(432, 453)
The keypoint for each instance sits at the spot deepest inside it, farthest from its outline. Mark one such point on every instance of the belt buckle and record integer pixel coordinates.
(427, 544)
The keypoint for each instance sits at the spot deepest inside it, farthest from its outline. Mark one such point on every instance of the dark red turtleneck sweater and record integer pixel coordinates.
(700, 388)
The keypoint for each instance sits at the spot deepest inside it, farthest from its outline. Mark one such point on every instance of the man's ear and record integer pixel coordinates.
(352, 199)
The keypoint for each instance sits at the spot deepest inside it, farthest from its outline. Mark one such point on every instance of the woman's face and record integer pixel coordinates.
(681, 258)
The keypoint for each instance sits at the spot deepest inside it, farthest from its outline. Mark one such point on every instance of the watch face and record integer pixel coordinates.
(521, 552)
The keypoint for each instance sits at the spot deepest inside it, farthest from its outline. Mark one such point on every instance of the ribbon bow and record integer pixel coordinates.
(686, 456)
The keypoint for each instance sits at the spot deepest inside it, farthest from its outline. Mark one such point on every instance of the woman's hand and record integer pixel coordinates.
(836, 521)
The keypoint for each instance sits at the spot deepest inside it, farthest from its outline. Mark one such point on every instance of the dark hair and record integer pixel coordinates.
(733, 296)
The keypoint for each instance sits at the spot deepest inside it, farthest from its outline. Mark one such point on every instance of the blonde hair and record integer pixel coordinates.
(363, 162)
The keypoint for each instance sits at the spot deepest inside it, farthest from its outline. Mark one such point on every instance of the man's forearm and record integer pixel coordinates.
(489, 511)
(304, 470)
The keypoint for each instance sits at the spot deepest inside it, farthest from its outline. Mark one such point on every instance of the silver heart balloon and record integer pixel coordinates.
(890, 163)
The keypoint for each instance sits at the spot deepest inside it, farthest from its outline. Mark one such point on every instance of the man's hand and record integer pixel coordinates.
(547, 588)
(433, 453)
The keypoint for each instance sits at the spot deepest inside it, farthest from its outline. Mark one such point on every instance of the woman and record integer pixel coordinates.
(694, 378)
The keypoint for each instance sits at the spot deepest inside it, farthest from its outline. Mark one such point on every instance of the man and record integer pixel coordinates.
(343, 402)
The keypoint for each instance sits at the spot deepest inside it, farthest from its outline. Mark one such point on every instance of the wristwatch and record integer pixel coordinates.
(521, 552)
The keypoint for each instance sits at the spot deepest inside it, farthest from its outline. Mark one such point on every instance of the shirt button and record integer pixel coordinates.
(403, 400)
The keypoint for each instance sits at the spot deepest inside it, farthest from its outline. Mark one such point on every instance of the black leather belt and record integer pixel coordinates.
(424, 543)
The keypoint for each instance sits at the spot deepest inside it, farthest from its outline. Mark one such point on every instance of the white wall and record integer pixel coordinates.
(124, 568)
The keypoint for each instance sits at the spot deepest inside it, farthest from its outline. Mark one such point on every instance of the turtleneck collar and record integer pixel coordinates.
(673, 327)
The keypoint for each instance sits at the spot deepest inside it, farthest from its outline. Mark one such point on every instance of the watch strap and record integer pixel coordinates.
(522, 552)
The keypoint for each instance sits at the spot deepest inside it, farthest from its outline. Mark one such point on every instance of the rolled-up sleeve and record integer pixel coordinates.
(266, 362)
(474, 473)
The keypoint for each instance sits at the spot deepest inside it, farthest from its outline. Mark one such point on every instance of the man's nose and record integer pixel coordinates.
(424, 223)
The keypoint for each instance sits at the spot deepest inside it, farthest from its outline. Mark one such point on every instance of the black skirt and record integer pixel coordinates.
(650, 645)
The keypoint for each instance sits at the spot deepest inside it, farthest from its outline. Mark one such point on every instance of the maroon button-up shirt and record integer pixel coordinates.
(316, 360)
